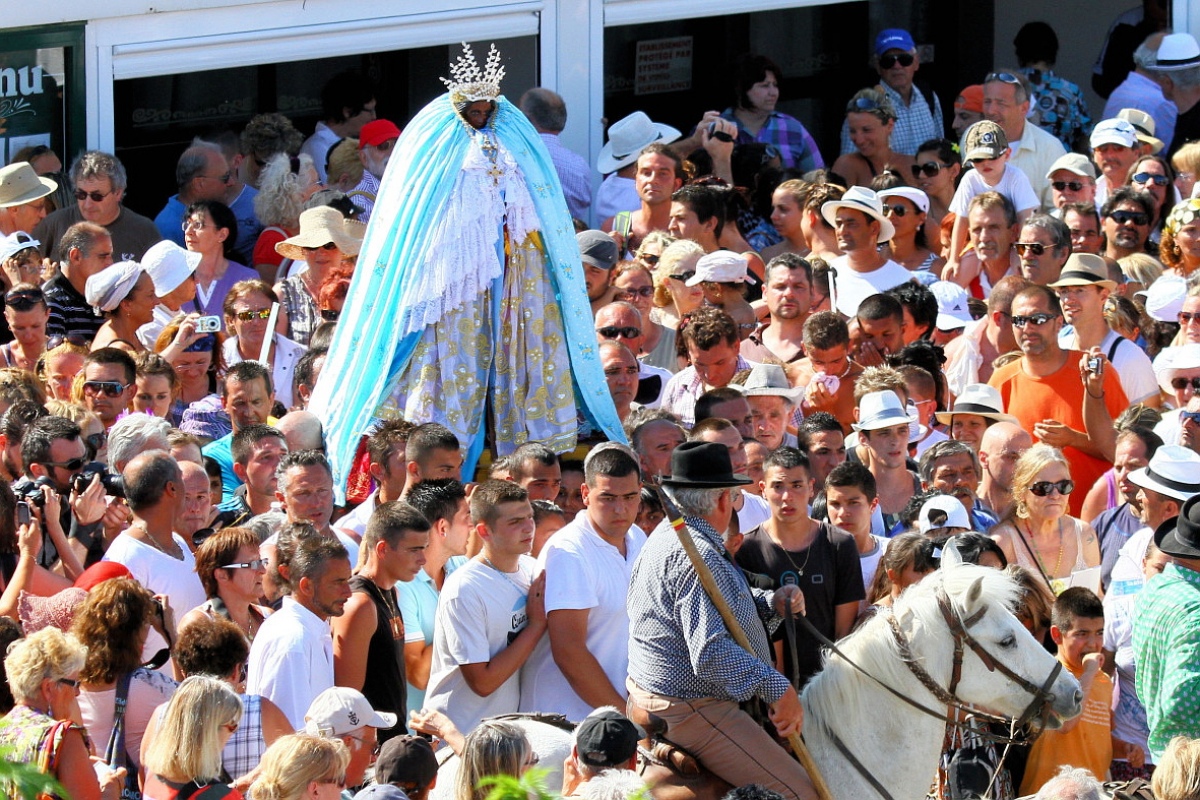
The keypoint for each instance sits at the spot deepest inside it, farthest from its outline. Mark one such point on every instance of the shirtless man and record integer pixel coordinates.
(659, 175)
(827, 342)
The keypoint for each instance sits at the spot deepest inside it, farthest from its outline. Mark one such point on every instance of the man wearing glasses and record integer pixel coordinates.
(201, 174)
(108, 383)
(1065, 398)
(1034, 151)
(1072, 180)
(100, 181)
(1125, 221)
(22, 198)
(918, 110)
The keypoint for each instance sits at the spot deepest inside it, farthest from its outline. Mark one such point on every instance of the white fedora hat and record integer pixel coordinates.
(628, 137)
(881, 410)
(19, 185)
(1173, 470)
(769, 380)
(1171, 359)
(982, 401)
(861, 199)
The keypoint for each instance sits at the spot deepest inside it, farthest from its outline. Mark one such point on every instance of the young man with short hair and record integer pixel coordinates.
(388, 468)
(534, 467)
(432, 451)
(491, 613)
(851, 500)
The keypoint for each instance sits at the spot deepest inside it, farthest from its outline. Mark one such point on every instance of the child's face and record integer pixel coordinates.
(991, 169)
(1085, 635)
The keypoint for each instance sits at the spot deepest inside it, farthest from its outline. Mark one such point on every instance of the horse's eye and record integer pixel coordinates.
(1008, 642)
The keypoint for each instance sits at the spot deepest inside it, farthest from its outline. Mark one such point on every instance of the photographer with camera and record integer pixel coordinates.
(55, 456)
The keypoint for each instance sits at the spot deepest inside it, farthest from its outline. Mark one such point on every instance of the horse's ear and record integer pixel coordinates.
(951, 558)
(974, 596)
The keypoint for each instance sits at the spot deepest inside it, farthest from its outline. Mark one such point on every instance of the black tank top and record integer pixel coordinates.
(385, 682)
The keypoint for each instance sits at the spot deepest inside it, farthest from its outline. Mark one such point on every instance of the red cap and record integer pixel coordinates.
(377, 132)
(100, 572)
(971, 99)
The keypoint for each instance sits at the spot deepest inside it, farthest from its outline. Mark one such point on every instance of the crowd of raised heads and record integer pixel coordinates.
(833, 362)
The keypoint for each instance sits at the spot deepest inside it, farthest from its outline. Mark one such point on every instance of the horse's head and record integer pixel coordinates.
(1004, 669)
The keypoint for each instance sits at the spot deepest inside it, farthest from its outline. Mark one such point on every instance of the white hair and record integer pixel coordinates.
(614, 784)
(695, 502)
(134, 434)
(1071, 783)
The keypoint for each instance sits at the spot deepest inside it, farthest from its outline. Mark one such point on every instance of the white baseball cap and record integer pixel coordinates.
(340, 710)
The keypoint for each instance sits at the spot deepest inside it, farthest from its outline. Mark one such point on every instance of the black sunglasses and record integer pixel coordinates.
(74, 465)
(1037, 248)
(81, 195)
(330, 314)
(930, 169)
(892, 59)
(1036, 319)
(1044, 488)
(1138, 218)
(613, 331)
(24, 299)
(326, 246)
(682, 277)
(1062, 186)
(896, 210)
(1179, 384)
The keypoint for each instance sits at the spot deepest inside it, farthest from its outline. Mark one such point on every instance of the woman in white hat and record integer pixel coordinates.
(323, 243)
(908, 208)
(1039, 533)
(124, 294)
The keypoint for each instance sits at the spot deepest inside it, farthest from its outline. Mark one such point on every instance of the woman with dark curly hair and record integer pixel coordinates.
(1179, 249)
(113, 624)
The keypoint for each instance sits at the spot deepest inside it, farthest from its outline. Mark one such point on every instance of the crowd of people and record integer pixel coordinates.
(217, 581)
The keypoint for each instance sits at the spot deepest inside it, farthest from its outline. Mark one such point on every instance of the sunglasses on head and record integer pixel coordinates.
(614, 331)
(929, 169)
(1179, 384)
(1145, 177)
(107, 388)
(865, 104)
(1138, 218)
(1062, 186)
(58, 339)
(326, 246)
(202, 345)
(96, 197)
(24, 299)
(892, 59)
(1044, 488)
(1003, 77)
(896, 210)
(246, 316)
(1036, 319)
(1037, 248)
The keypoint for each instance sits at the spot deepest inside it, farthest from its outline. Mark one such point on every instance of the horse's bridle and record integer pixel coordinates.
(1040, 704)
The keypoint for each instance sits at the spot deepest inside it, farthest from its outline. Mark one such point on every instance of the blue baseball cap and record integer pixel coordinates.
(894, 39)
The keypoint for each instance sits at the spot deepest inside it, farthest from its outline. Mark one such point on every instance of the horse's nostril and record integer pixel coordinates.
(1078, 697)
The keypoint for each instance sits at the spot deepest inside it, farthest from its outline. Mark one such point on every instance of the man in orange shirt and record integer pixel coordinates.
(1055, 395)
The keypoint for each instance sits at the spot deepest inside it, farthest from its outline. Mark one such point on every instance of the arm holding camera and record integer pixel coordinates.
(1099, 388)
(71, 552)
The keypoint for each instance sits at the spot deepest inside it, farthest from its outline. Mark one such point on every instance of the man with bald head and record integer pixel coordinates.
(1001, 446)
(620, 321)
(195, 514)
(302, 430)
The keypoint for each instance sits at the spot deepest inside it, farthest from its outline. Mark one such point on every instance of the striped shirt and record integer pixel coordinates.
(70, 314)
(678, 643)
(685, 388)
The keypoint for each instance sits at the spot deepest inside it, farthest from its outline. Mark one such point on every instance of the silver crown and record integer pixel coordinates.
(467, 83)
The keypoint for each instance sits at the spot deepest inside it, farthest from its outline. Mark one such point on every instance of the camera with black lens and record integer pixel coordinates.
(31, 491)
(114, 485)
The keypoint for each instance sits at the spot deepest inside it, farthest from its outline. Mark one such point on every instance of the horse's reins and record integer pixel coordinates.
(1042, 697)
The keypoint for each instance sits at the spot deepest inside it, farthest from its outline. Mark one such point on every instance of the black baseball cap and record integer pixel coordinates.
(607, 738)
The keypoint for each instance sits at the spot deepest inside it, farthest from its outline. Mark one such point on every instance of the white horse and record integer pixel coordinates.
(896, 743)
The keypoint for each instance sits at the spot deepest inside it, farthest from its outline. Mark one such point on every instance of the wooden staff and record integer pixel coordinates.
(734, 627)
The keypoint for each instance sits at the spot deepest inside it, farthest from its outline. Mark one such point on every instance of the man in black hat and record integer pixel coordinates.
(685, 667)
(606, 739)
(1166, 634)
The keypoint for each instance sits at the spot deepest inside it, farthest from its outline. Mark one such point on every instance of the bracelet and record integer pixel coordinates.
(1094, 396)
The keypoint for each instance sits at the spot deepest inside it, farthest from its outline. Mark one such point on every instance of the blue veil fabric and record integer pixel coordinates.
(381, 322)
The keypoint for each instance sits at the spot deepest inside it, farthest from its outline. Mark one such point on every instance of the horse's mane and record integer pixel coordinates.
(839, 688)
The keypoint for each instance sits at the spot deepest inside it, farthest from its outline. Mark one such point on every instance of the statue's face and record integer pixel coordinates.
(477, 114)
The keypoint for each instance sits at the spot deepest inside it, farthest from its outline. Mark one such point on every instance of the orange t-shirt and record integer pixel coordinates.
(1087, 745)
(1059, 397)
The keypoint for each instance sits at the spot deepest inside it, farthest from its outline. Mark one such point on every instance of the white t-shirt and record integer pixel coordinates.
(1014, 184)
(583, 571)
(480, 612)
(755, 511)
(854, 287)
(870, 561)
(1133, 366)
(159, 572)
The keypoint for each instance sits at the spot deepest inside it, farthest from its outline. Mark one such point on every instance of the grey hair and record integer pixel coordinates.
(193, 162)
(267, 524)
(98, 164)
(695, 502)
(1056, 229)
(943, 449)
(1146, 55)
(134, 434)
(278, 201)
(614, 784)
(1071, 783)
(1186, 78)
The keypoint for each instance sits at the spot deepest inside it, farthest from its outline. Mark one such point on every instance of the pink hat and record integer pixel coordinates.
(37, 612)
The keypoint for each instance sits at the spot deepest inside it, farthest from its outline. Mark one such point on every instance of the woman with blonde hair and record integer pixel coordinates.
(1039, 533)
(300, 766)
(1177, 776)
(493, 748)
(1186, 162)
(284, 186)
(1140, 271)
(672, 297)
(43, 729)
(871, 117)
(59, 365)
(184, 759)
(634, 282)
(787, 214)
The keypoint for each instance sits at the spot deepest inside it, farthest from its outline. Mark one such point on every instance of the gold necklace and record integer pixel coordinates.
(1037, 551)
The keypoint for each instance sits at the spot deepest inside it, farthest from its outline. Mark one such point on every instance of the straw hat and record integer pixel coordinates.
(318, 227)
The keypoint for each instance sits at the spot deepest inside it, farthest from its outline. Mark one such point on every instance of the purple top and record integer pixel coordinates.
(214, 307)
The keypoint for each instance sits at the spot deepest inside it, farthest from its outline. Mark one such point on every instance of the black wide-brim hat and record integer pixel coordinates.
(1180, 537)
(703, 465)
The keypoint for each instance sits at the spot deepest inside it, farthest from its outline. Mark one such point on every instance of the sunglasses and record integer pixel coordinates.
(649, 258)
(644, 291)
(1188, 316)
(1125, 217)
(865, 104)
(95, 441)
(682, 277)
(330, 314)
(1037, 248)
(892, 59)
(1062, 186)
(1036, 319)
(74, 684)
(326, 246)
(894, 211)
(613, 331)
(385, 147)
(1189, 416)
(1044, 488)
(974, 161)
(24, 300)
(96, 197)
(59, 339)
(258, 563)
(1145, 177)
(929, 169)
(107, 388)
(1003, 77)
(1179, 384)
(74, 465)
(246, 316)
